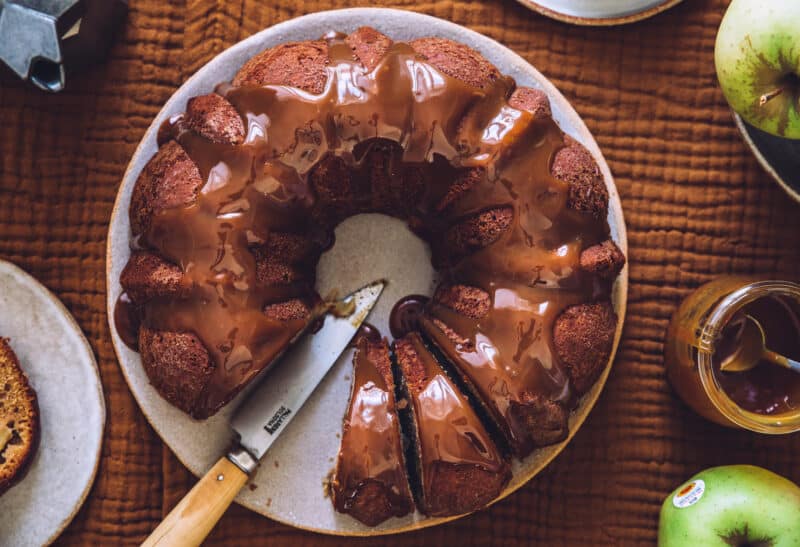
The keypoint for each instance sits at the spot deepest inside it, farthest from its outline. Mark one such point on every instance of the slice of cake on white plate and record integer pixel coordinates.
(19, 419)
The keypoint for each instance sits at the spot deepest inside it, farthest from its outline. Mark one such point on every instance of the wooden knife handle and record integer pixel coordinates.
(198, 512)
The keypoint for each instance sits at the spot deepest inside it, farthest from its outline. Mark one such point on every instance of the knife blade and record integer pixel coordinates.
(272, 405)
(260, 420)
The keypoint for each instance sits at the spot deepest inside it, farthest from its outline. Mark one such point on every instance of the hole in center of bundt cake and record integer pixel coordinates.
(375, 246)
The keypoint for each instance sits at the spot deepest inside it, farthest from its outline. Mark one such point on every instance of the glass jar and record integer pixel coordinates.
(692, 339)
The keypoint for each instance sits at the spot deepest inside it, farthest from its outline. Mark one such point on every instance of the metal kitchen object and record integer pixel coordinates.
(42, 40)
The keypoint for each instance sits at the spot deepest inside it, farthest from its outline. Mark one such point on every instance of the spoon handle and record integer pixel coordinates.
(781, 360)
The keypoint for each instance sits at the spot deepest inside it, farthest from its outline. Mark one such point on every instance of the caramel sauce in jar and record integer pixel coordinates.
(706, 329)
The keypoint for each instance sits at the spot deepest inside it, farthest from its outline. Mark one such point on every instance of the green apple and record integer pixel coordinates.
(732, 506)
(758, 63)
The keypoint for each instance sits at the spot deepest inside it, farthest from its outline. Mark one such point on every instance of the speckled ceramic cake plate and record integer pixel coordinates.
(61, 368)
(599, 12)
(289, 484)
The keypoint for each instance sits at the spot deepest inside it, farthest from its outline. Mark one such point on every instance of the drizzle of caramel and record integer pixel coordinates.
(368, 332)
(443, 126)
(405, 315)
(126, 319)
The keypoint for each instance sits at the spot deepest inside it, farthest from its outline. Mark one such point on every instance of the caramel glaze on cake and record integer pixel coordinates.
(231, 214)
(370, 481)
(459, 469)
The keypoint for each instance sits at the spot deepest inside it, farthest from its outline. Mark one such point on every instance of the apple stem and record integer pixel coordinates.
(766, 97)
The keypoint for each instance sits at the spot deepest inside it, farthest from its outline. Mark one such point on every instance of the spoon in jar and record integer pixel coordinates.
(752, 349)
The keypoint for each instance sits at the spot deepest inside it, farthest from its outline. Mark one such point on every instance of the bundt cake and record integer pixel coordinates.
(231, 214)
(19, 419)
(370, 481)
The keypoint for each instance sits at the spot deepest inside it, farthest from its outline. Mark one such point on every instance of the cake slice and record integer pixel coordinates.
(459, 468)
(502, 353)
(525, 353)
(370, 481)
(19, 419)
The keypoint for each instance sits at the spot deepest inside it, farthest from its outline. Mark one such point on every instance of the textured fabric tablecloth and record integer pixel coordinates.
(696, 202)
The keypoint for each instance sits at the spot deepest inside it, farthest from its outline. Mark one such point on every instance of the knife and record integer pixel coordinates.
(260, 419)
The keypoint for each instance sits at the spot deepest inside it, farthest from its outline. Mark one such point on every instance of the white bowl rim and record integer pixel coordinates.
(624, 17)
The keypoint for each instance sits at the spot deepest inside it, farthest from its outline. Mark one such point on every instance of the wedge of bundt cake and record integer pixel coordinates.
(19, 419)
(230, 216)
(459, 468)
(503, 354)
(524, 372)
(370, 481)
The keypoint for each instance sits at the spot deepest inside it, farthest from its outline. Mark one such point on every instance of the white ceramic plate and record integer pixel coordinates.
(288, 488)
(599, 12)
(60, 365)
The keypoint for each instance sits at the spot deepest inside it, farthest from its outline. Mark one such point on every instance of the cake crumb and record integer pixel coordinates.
(327, 483)
(252, 486)
(277, 464)
(402, 404)
(347, 377)
(269, 502)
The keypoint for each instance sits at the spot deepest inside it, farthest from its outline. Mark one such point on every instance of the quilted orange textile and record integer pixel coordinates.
(696, 203)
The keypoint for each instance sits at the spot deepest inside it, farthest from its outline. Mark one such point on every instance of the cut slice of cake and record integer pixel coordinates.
(19, 419)
(370, 481)
(501, 351)
(459, 467)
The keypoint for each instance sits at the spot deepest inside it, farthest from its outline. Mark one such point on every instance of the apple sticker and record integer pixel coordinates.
(689, 494)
